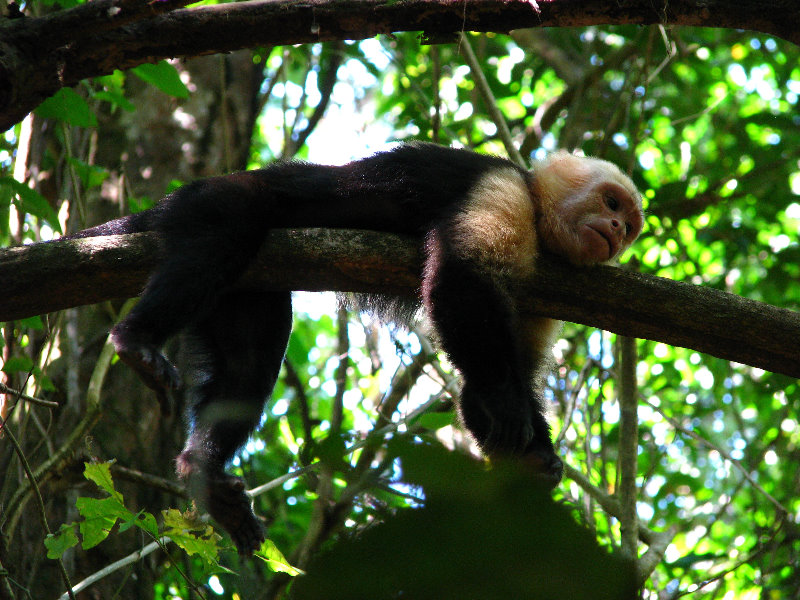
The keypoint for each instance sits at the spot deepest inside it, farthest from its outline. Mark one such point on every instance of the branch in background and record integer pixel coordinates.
(327, 80)
(150, 480)
(723, 453)
(485, 91)
(117, 565)
(627, 462)
(4, 389)
(47, 277)
(39, 56)
(62, 457)
(609, 503)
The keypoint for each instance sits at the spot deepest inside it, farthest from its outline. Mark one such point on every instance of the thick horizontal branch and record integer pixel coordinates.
(48, 277)
(38, 56)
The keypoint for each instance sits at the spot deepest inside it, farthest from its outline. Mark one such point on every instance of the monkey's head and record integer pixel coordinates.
(590, 212)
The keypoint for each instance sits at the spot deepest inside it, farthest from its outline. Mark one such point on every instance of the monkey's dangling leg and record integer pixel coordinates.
(235, 355)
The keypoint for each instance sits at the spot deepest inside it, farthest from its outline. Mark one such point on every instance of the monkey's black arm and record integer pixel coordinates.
(479, 327)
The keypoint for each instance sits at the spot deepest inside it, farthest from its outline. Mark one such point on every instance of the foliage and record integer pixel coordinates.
(457, 545)
(100, 516)
(706, 120)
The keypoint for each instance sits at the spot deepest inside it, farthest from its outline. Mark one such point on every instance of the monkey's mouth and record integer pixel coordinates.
(612, 249)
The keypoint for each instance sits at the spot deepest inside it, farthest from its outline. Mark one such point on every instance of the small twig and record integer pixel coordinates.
(33, 400)
(390, 428)
(747, 560)
(340, 376)
(149, 480)
(279, 481)
(722, 452)
(608, 502)
(629, 444)
(39, 501)
(325, 87)
(488, 99)
(572, 401)
(117, 565)
(301, 399)
(92, 414)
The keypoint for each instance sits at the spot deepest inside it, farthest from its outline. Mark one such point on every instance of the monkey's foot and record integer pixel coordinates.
(224, 498)
(152, 367)
(231, 507)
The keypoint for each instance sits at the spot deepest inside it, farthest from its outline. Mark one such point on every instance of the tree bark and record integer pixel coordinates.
(53, 276)
(40, 55)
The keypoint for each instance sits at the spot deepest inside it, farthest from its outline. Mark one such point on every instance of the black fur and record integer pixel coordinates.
(212, 229)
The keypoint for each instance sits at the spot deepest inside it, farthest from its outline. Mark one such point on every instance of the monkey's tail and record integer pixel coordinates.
(131, 224)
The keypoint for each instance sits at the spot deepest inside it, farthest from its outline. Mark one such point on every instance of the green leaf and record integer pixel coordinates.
(18, 364)
(91, 175)
(275, 560)
(66, 105)
(435, 420)
(194, 536)
(100, 473)
(143, 520)
(31, 201)
(100, 516)
(331, 450)
(164, 76)
(32, 323)
(57, 543)
(176, 520)
(115, 99)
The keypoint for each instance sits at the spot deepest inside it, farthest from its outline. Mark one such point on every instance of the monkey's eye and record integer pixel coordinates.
(612, 202)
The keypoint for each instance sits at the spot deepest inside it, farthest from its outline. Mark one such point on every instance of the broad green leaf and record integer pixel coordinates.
(193, 536)
(100, 473)
(275, 560)
(32, 323)
(164, 76)
(435, 420)
(143, 520)
(115, 99)
(64, 538)
(99, 516)
(175, 519)
(66, 105)
(18, 364)
(91, 175)
(31, 201)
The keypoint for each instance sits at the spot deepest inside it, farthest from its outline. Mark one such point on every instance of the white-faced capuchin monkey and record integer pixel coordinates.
(484, 221)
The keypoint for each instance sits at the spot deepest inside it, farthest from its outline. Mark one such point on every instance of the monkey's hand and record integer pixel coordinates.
(152, 367)
(507, 422)
(541, 459)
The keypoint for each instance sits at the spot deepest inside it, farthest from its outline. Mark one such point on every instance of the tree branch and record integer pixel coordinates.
(40, 55)
(47, 277)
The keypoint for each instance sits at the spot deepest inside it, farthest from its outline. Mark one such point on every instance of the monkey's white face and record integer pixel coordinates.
(591, 212)
(608, 220)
